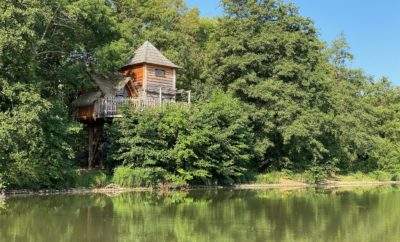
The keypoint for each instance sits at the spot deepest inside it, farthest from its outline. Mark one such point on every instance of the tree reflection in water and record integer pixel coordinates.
(212, 215)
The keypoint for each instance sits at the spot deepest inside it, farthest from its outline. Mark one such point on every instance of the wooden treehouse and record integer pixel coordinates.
(147, 80)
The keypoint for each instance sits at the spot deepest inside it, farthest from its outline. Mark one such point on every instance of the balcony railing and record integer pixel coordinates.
(110, 107)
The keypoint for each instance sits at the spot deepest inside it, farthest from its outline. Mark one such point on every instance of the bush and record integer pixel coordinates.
(359, 176)
(369, 177)
(385, 154)
(318, 174)
(218, 145)
(126, 176)
(312, 176)
(250, 176)
(395, 177)
(269, 178)
(201, 144)
(381, 176)
(91, 179)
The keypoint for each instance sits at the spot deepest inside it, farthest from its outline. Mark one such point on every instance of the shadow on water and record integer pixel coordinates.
(206, 215)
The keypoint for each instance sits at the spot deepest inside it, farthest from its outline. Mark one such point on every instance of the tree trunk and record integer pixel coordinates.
(96, 137)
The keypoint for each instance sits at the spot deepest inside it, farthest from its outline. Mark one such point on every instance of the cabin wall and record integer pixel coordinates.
(153, 82)
(145, 78)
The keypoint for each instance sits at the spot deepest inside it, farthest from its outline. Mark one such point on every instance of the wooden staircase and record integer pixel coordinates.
(134, 88)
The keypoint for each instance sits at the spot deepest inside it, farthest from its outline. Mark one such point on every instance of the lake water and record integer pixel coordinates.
(211, 215)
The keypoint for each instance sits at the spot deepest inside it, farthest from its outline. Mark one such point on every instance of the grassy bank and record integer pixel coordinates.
(130, 179)
(297, 181)
(287, 177)
(133, 178)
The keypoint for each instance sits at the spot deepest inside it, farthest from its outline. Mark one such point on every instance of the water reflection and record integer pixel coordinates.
(213, 215)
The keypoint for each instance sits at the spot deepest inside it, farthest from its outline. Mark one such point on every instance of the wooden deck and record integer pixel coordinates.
(111, 107)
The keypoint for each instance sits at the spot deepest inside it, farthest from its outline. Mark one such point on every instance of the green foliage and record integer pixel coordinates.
(285, 101)
(269, 178)
(170, 25)
(357, 176)
(218, 141)
(369, 177)
(34, 140)
(126, 176)
(48, 37)
(381, 175)
(339, 52)
(91, 179)
(395, 177)
(308, 108)
(205, 143)
(271, 58)
(316, 175)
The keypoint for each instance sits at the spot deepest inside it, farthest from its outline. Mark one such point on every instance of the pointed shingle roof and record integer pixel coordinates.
(149, 54)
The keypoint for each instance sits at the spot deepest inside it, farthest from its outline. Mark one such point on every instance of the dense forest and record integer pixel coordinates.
(270, 95)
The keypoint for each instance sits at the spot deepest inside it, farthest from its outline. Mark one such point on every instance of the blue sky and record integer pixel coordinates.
(372, 28)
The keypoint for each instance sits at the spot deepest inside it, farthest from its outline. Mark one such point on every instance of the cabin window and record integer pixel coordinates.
(160, 72)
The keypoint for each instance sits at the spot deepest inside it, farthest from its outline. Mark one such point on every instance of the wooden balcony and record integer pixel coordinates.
(111, 107)
(92, 106)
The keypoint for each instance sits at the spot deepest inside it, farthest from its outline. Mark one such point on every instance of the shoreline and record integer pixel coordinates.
(326, 185)
(247, 186)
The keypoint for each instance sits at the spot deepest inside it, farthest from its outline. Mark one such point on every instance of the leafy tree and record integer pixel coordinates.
(39, 44)
(39, 40)
(339, 52)
(177, 31)
(271, 58)
(34, 140)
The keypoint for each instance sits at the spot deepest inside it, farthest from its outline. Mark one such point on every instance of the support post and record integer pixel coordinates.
(160, 96)
(95, 148)
(144, 99)
(189, 101)
(174, 83)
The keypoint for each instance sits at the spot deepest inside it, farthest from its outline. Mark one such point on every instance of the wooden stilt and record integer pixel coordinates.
(95, 144)
(160, 96)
